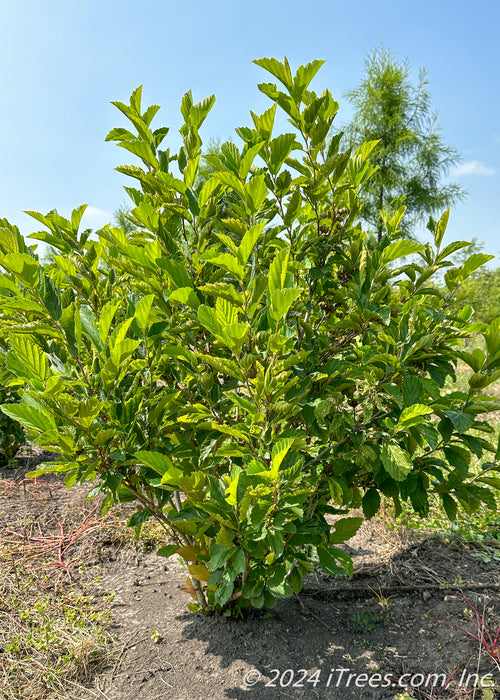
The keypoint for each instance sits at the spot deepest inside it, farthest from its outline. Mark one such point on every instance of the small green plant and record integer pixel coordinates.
(364, 622)
(156, 636)
(488, 692)
(383, 600)
(244, 362)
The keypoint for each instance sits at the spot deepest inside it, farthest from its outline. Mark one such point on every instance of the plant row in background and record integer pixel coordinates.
(247, 361)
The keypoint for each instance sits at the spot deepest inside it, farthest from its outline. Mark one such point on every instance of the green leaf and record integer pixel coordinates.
(235, 335)
(248, 242)
(396, 461)
(143, 310)
(76, 216)
(473, 263)
(413, 415)
(23, 266)
(497, 453)
(371, 503)
(223, 365)
(225, 291)
(28, 360)
(480, 380)
(278, 270)
(440, 228)
(255, 193)
(226, 314)
(243, 402)
(279, 453)
(225, 537)
(71, 325)
(122, 350)
(478, 358)
(168, 550)
(230, 263)
(430, 433)
(400, 249)
(186, 296)
(265, 122)
(30, 417)
(293, 207)
(412, 390)
(141, 149)
(450, 506)
(211, 187)
(305, 74)
(345, 528)
(458, 458)
(229, 179)
(395, 392)
(162, 465)
(218, 556)
(198, 112)
(190, 172)
(248, 158)
(106, 319)
(176, 271)
(328, 558)
(450, 249)
(208, 318)
(491, 481)
(461, 421)
(275, 539)
(88, 410)
(88, 326)
(281, 301)
(278, 69)
(232, 491)
(228, 241)
(474, 359)
(280, 148)
(50, 297)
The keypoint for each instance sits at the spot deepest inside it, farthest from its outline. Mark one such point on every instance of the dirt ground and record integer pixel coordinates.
(388, 620)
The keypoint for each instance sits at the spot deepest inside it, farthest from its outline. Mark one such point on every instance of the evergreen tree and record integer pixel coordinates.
(411, 155)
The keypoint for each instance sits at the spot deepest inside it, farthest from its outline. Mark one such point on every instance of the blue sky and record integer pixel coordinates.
(63, 62)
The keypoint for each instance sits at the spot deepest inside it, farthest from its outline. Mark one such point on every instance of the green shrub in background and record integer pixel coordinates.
(482, 292)
(12, 436)
(243, 365)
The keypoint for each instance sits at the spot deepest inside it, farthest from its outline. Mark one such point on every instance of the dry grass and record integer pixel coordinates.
(53, 637)
(49, 641)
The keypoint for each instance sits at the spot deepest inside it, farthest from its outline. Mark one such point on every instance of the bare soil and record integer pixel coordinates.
(392, 618)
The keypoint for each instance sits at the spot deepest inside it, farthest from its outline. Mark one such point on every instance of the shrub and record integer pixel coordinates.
(482, 292)
(12, 435)
(242, 364)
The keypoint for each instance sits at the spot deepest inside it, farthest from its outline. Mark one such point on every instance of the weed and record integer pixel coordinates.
(488, 639)
(156, 636)
(364, 622)
(383, 600)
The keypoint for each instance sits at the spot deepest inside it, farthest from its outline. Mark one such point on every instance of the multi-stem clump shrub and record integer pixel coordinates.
(247, 362)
